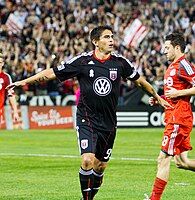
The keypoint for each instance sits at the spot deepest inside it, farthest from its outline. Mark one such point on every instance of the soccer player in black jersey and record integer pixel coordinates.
(99, 74)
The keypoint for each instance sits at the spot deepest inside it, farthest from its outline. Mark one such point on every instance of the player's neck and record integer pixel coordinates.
(179, 55)
(101, 55)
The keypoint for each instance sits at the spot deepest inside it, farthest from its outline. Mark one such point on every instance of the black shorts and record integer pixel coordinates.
(95, 141)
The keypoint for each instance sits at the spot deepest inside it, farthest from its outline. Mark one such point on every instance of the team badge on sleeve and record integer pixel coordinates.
(113, 74)
(60, 67)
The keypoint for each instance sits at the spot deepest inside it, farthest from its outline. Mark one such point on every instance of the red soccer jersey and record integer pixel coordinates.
(5, 80)
(179, 75)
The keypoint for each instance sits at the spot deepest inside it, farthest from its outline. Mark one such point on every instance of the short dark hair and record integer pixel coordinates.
(97, 32)
(177, 38)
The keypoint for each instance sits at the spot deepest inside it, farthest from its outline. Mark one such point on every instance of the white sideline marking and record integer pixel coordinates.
(69, 156)
(136, 159)
(182, 184)
(38, 155)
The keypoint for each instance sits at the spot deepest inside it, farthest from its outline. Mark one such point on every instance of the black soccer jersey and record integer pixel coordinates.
(99, 85)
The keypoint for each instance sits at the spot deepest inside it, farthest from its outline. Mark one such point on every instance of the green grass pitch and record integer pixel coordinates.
(44, 164)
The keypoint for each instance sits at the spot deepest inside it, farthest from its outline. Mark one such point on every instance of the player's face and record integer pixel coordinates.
(1, 63)
(169, 50)
(106, 42)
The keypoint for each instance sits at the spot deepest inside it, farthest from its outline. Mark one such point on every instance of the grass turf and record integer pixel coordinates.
(43, 165)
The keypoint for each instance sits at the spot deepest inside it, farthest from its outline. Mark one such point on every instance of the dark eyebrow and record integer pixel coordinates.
(107, 35)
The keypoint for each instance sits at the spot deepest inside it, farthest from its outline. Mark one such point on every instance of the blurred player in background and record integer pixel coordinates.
(99, 75)
(77, 91)
(179, 80)
(5, 80)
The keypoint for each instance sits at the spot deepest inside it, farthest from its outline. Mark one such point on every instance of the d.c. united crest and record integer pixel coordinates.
(113, 74)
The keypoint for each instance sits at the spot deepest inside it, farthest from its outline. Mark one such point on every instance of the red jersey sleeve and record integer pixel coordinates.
(5, 80)
(187, 71)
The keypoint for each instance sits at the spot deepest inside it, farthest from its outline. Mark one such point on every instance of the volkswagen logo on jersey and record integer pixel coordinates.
(102, 86)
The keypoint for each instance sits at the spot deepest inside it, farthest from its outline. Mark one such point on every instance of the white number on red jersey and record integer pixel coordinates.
(1, 83)
(168, 81)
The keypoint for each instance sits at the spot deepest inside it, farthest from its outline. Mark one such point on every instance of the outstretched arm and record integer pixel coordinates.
(44, 75)
(173, 93)
(142, 83)
(13, 103)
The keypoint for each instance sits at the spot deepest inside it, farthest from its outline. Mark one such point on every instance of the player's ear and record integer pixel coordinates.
(177, 47)
(95, 43)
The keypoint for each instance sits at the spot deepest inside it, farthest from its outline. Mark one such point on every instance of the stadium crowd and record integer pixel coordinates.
(56, 30)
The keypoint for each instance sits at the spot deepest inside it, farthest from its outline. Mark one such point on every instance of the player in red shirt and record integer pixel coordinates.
(5, 80)
(180, 75)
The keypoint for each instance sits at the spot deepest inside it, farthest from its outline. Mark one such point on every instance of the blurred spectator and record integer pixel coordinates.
(77, 91)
